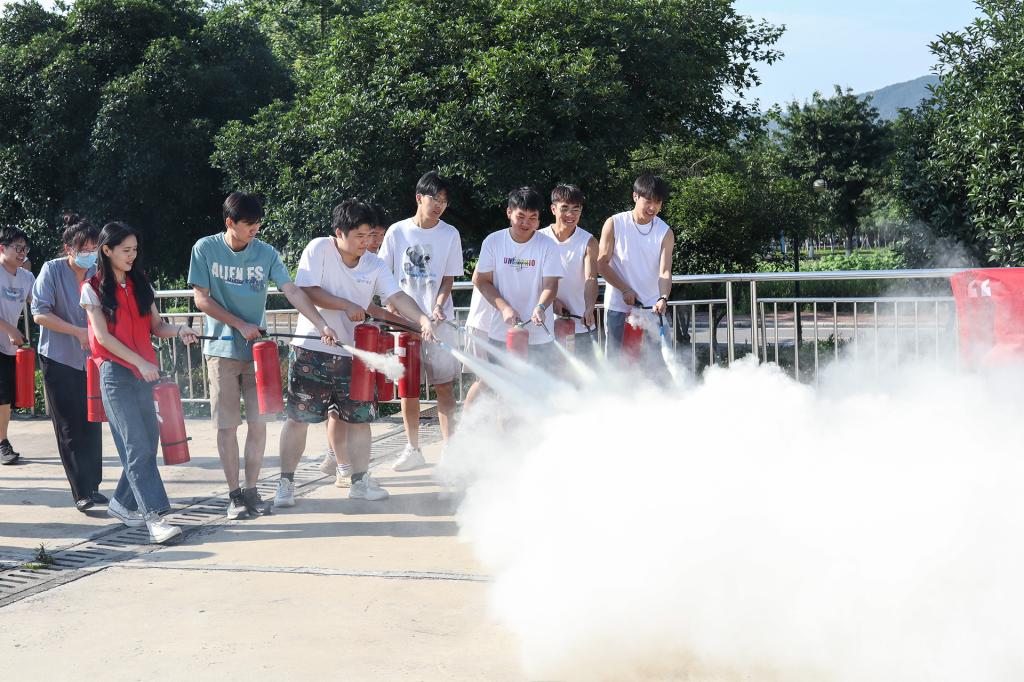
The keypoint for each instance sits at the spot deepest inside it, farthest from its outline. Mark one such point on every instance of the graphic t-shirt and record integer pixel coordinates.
(14, 290)
(321, 266)
(573, 252)
(419, 258)
(519, 272)
(238, 280)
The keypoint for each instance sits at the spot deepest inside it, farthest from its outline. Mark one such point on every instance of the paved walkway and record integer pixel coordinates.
(330, 589)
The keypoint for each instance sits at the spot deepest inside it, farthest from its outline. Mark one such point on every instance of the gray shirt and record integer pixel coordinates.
(14, 290)
(56, 292)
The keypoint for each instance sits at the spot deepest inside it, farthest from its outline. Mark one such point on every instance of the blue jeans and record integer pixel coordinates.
(651, 361)
(585, 345)
(614, 323)
(128, 402)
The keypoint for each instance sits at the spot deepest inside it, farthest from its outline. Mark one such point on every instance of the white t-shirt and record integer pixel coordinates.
(321, 266)
(637, 259)
(14, 291)
(419, 258)
(519, 272)
(480, 311)
(573, 252)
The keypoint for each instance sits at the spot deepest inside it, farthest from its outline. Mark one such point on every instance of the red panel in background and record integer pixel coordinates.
(990, 309)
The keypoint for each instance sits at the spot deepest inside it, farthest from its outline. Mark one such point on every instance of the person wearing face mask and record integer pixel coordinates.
(63, 352)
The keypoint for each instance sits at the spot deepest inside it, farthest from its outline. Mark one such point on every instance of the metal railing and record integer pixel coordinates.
(800, 333)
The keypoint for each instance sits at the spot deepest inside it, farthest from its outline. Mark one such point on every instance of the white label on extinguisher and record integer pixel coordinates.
(400, 351)
(156, 406)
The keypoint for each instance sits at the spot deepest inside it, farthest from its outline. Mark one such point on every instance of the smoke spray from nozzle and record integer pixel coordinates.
(752, 528)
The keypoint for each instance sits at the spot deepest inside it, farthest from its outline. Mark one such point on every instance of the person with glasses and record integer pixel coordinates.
(424, 253)
(15, 288)
(63, 354)
(577, 291)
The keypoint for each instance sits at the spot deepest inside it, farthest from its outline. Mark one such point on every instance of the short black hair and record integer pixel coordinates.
(350, 214)
(432, 184)
(567, 194)
(380, 216)
(526, 199)
(243, 208)
(10, 234)
(651, 186)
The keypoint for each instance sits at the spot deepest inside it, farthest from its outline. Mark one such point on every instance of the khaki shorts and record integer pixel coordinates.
(231, 381)
(440, 365)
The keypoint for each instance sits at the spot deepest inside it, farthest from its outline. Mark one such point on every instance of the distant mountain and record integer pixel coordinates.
(890, 99)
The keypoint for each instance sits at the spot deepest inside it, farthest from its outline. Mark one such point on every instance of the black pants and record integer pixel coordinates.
(79, 441)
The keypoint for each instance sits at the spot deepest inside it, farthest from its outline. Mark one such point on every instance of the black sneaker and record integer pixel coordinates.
(7, 453)
(254, 504)
(236, 508)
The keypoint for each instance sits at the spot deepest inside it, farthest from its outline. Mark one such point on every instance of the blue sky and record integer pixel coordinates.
(863, 44)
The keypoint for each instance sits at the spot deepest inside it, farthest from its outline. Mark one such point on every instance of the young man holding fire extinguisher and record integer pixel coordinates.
(230, 273)
(15, 288)
(341, 277)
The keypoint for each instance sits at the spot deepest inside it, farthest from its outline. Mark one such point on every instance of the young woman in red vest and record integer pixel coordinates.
(122, 319)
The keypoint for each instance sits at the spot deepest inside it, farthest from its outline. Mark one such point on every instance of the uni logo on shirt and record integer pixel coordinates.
(520, 263)
(252, 275)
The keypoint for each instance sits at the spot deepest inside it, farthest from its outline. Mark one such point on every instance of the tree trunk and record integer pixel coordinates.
(850, 232)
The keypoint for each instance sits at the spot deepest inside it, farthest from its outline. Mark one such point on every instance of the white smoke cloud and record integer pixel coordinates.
(752, 528)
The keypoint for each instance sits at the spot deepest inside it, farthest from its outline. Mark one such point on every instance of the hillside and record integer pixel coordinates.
(890, 99)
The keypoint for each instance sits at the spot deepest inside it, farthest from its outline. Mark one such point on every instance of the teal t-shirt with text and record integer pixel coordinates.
(238, 280)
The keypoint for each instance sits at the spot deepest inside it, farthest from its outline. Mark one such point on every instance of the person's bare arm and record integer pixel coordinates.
(408, 308)
(12, 332)
(484, 282)
(322, 299)
(297, 297)
(590, 285)
(605, 268)
(665, 273)
(547, 295)
(206, 303)
(443, 294)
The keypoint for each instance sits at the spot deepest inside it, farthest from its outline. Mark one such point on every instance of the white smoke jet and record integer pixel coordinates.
(386, 363)
(750, 528)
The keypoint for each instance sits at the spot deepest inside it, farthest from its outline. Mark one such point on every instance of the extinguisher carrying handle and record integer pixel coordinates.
(228, 337)
(394, 325)
(288, 336)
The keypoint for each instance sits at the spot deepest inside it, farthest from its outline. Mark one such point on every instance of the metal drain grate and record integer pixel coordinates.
(121, 543)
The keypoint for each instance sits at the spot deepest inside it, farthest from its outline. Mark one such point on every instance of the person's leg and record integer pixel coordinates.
(128, 402)
(446, 408)
(7, 387)
(306, 401)
(292, 445)
(411, 420)
(225, 411)
(59, 403)
(86, 436)
(256, 426)
(615, 323)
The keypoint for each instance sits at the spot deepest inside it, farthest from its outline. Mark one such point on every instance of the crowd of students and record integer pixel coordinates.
(94, 303)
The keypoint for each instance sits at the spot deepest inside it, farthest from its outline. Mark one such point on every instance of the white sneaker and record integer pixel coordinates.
(285, 495)
(132, 519)
(236, 509)
(330, 463)
(367, 488)
(343, 477)
(160, 531)
(410, 458)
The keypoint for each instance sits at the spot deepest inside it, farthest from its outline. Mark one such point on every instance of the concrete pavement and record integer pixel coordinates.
(330, 589)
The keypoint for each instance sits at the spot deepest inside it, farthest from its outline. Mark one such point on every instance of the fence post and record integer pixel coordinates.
(755, 343)
(730, 335)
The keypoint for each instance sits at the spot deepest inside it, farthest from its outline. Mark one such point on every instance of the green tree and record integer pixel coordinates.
(841, 141)
(110, 109)
(496, 94)
(963, 156)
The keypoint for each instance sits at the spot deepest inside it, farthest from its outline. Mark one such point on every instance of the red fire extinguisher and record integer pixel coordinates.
(408, 352)
(385, 387)
(25, 377)
(367, 337)
(517, 342)
(267, 366)
(632, 340)
(565, 333)
(173, 439)
(93, 397)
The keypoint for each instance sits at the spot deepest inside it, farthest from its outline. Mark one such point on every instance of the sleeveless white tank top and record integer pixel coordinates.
(637, 259)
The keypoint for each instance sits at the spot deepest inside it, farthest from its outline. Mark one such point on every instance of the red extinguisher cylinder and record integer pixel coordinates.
(93, 396)
(632, 340)
(364, 381)
(385, 388)
(565, 333)
(267, 366)
(25, 377)
(409, 355)
(173, 439)
(517, 342)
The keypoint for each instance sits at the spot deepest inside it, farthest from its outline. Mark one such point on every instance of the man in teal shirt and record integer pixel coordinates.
(230, 273)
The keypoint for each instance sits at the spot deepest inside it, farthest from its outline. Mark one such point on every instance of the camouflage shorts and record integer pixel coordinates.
(320, 381)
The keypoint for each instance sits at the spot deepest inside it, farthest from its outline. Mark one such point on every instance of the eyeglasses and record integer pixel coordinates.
(442, 202)
(22, 249)
(572, 210)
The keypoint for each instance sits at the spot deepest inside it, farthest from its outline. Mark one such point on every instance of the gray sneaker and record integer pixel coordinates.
(236, 509)
(132, 519)
(329, 465)
(7, 453)
(285, 496)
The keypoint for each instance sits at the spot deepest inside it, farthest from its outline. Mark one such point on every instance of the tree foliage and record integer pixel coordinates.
(963, 173)
(840, 140)
(497, 94)
(110, 109)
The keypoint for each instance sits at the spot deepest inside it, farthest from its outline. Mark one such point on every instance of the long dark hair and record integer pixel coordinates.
(112, 235)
